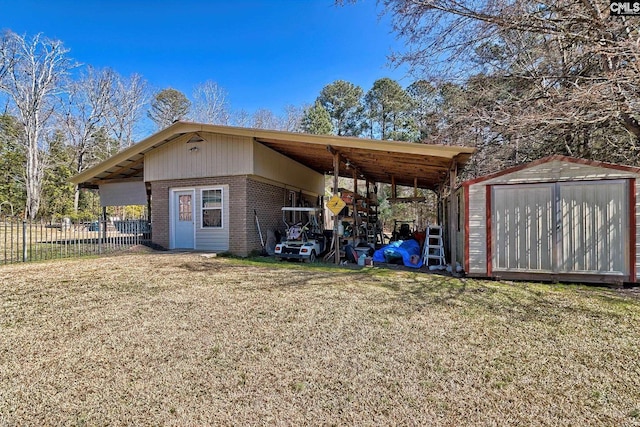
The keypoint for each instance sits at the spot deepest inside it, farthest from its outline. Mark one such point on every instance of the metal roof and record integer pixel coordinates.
(378, 161)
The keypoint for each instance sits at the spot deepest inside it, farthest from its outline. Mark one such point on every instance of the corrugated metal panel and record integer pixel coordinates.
(594, 217)
(477, 229)
(522, 220)
(213, 239)
(218, 155)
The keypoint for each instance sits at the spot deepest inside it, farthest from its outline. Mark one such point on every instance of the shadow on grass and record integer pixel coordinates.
(417, 291)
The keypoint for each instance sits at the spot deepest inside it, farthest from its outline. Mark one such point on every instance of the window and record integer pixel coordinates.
(184, 207)
(212, 208)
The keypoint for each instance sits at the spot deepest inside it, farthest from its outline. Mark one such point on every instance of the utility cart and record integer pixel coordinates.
(304, 235)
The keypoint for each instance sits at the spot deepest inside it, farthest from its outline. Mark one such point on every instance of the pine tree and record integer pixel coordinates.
(168, 106)
(316, 120)
(12, 164)
(343, 101)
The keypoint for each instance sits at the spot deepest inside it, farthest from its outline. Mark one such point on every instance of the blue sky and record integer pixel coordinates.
(266, 54)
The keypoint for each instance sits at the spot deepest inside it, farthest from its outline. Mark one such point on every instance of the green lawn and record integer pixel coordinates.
(180, 339)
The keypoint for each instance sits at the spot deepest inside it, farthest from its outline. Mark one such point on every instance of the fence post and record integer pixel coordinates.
(24, 240)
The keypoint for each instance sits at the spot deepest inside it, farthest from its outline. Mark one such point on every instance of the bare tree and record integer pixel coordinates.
(129, 97)
(557, 75)
(265, 119)
(210, 104)
(34, 73)
(292, 119)
(241, 118)
(83, 115)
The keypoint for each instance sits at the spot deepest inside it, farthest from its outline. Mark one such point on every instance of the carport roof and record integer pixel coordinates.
(377, 161)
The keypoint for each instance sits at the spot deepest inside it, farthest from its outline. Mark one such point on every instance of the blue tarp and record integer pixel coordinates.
(399, 249)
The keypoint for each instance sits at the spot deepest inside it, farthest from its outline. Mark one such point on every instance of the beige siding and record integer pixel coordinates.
(212, 239)
(218, 155)
(477, 229)
(278, 168)
(559, 171)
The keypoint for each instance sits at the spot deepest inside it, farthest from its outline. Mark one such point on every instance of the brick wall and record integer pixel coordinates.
(267, 200)
(244, 196)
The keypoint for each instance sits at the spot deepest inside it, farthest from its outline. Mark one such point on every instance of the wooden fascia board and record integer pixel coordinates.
(440, 151)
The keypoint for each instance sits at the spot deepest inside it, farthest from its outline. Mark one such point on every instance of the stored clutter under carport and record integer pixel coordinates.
(557, 218)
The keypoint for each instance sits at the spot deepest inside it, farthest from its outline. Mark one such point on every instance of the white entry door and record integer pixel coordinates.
(183, 219)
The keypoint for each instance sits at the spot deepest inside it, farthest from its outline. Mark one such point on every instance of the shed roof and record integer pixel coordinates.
(549, 159)
(377, 161)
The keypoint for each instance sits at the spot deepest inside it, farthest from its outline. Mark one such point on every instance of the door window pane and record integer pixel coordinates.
(184, 208)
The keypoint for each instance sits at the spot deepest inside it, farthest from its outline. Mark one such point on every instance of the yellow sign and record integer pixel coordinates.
(336, 204)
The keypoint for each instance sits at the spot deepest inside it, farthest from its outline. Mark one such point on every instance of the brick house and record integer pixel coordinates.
(203, 183)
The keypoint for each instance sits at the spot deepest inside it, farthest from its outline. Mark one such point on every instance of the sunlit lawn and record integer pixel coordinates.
(180, 339)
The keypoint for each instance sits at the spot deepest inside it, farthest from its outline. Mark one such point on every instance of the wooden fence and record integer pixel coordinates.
(36, 240)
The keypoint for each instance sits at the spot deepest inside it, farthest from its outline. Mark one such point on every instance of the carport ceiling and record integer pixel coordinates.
(378, 161)
(376, 165)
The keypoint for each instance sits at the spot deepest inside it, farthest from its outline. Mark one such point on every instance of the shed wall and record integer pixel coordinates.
(554, 171)
(477, 225)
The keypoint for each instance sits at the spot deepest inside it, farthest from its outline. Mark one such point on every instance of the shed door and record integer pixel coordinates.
(570, 227)
(522, 231)
(593, 220)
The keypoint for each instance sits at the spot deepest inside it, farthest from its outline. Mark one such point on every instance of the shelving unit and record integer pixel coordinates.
(361, 218)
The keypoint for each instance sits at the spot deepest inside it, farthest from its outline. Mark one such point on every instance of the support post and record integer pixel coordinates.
(393, 187)
(24, 240)
(336, 238)
(453, 215)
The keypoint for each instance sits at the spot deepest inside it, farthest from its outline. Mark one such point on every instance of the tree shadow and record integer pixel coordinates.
(416, 291)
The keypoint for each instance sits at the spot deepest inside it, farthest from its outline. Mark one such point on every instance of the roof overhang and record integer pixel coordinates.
(402, 163)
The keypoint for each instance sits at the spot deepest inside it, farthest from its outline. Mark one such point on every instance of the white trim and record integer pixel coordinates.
(201, 208)
(172, 203)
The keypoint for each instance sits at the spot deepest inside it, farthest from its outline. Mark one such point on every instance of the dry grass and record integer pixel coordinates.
(178, 339)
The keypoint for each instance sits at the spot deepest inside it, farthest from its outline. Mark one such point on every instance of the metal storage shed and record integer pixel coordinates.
(557, 218)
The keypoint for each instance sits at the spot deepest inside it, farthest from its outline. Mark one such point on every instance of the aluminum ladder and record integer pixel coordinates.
(433, 246)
